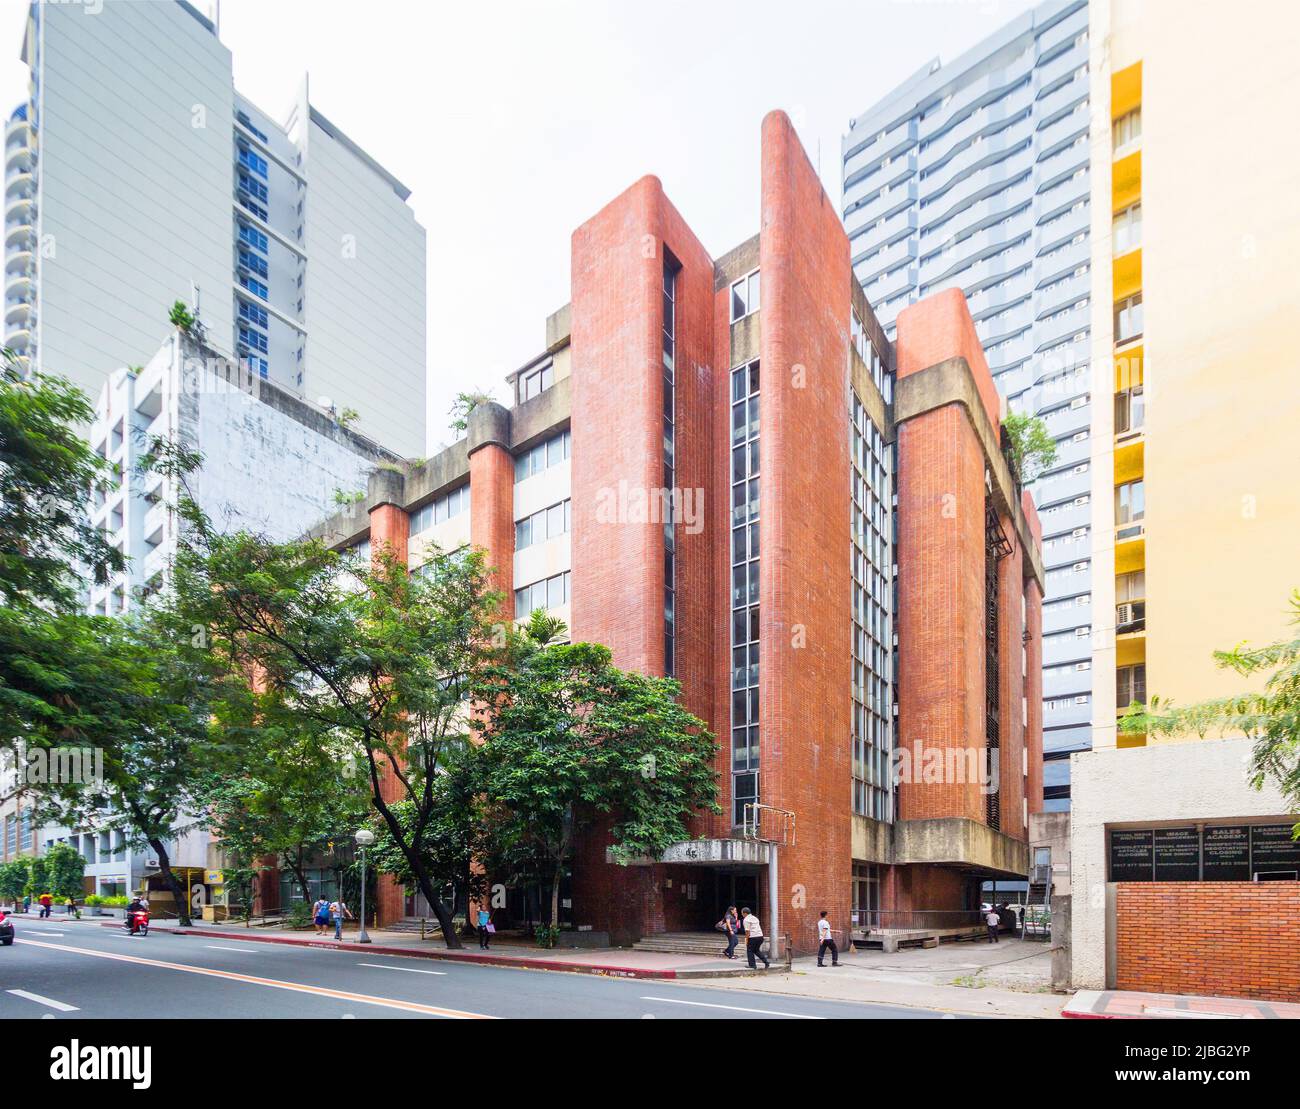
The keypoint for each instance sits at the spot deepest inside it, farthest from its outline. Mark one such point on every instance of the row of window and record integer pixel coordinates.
(550, 452)
(439, 509)
(552, 592)
(744, 588)
(670, 270)
(549, 523)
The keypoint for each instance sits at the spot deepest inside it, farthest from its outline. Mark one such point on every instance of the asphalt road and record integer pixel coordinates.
(84, 970)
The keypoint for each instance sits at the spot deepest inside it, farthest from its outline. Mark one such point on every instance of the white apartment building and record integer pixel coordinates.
(975, 174)
(136, 175)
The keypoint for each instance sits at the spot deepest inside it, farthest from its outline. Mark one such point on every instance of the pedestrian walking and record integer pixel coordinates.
(754, 940)
(338, 910)
(320, 913)
(730, 924)
(994, 921)
(70, 906)
(47, 905)
(826, 942)
(486, 929)
(27, 903)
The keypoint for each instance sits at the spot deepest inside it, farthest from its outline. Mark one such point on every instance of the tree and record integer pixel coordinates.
(13, 881)
(1270, 714)
(566, 734)
(45, 472)
(64, 868)
(295, 787)
(146, 683)
(37, 882)
(463, 405)
(363, 651)
(1032, 447)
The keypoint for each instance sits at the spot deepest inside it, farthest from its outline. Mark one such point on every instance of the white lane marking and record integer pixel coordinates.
(272, 983)
(733, 1008)
(38, 932)
(61, 1006)
(409, 970)
(230, 947)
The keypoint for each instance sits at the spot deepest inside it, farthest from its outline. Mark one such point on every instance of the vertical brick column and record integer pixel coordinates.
(804, 589)
(618, 484)
(1033, 691)
(1011, 685)
(492, 498)
(940, 551)
(390, 531)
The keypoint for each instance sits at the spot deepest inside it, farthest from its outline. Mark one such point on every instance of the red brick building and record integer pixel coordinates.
(817, 532)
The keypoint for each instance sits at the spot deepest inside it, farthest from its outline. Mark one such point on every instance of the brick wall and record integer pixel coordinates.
(492, 517)
(1235, 939)
(805, 590)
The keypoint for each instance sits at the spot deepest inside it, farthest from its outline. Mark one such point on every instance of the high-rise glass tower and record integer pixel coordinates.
(974, 175)
(136, 175)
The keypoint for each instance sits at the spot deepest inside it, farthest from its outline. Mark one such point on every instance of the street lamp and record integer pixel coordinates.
(364, 838)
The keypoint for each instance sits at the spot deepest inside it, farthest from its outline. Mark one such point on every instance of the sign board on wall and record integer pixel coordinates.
(1215, 853)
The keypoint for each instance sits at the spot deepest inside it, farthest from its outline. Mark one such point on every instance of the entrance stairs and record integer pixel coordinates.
(685, 943)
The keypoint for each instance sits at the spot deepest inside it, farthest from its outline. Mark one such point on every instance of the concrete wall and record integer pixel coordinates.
(1142, 787)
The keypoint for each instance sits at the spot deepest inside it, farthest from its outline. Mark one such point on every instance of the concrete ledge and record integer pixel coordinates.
(708, 852)
(951, 382)
(958, 841)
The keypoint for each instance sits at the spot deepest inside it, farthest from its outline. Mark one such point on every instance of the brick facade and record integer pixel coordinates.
(613, 404)
(1235, 939)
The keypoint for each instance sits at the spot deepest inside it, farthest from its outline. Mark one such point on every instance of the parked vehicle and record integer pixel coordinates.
(6, 930)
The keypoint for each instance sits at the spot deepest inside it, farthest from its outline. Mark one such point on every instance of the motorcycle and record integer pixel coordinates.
(137, 923)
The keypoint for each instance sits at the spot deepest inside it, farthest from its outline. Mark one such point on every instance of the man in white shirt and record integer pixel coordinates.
(826, 942)
(994, 921)
(754, 940)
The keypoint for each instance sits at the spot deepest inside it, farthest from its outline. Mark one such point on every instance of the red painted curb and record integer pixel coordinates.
(603, 970)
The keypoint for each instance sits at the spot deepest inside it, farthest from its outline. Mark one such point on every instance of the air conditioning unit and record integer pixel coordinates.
(1123, 615)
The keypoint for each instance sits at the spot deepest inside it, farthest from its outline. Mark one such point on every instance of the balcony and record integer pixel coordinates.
(17, 312)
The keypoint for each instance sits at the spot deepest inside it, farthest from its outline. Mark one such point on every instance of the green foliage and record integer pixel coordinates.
(1268, 714)
(13, 880)
(361, 652)
(45, 471)
(546, 935)
(1032, 447)
(343, 499)
(569, 736)
(347, 417)
(463, 405)
(37, 882)
(181, 317)
(299, 915)
(64, 868)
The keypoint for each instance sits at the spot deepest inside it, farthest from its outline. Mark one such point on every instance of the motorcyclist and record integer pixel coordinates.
(137, 905)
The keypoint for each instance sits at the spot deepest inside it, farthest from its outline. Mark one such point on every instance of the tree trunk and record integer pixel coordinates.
(300, 873)
(416, 864)
(555, 896)
(173, 883)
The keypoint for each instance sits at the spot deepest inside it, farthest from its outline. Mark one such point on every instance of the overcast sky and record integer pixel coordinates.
(513, 122)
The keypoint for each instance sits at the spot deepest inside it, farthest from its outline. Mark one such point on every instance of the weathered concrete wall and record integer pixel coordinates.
(1142, 786)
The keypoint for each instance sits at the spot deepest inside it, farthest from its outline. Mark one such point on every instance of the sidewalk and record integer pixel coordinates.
(1130, 1005)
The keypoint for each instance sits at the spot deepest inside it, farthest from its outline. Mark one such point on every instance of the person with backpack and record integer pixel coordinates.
(321, 915)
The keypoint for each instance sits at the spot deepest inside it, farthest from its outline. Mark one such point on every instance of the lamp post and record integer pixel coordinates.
(364, 838)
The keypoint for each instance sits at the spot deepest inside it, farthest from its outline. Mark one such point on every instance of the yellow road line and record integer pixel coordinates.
(273, 983)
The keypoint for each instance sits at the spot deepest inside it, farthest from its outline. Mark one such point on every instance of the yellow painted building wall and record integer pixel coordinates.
(1220, 189)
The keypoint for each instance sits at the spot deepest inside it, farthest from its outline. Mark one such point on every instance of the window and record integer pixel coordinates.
(1126, 230)
(252, 161)
(744, 589)
(744, 296)
(670, 270)
(1128, 128)
(439, 509)
(1130, 410)
(550, 452)
(1130, 502)
(552, 592)
(1130, 686)
(252, 313)
(253, 237)
(253, 187)
(254, 339)
(252, 262)
(549, 523)
(254, 286)
(1128, 319)
(536, 381)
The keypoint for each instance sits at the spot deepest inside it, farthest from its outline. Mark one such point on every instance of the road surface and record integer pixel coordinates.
(83, 970)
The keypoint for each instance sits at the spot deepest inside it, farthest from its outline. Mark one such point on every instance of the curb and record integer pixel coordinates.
(604, 970)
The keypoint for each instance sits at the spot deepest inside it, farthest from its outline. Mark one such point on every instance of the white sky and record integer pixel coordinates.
(512, 122)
